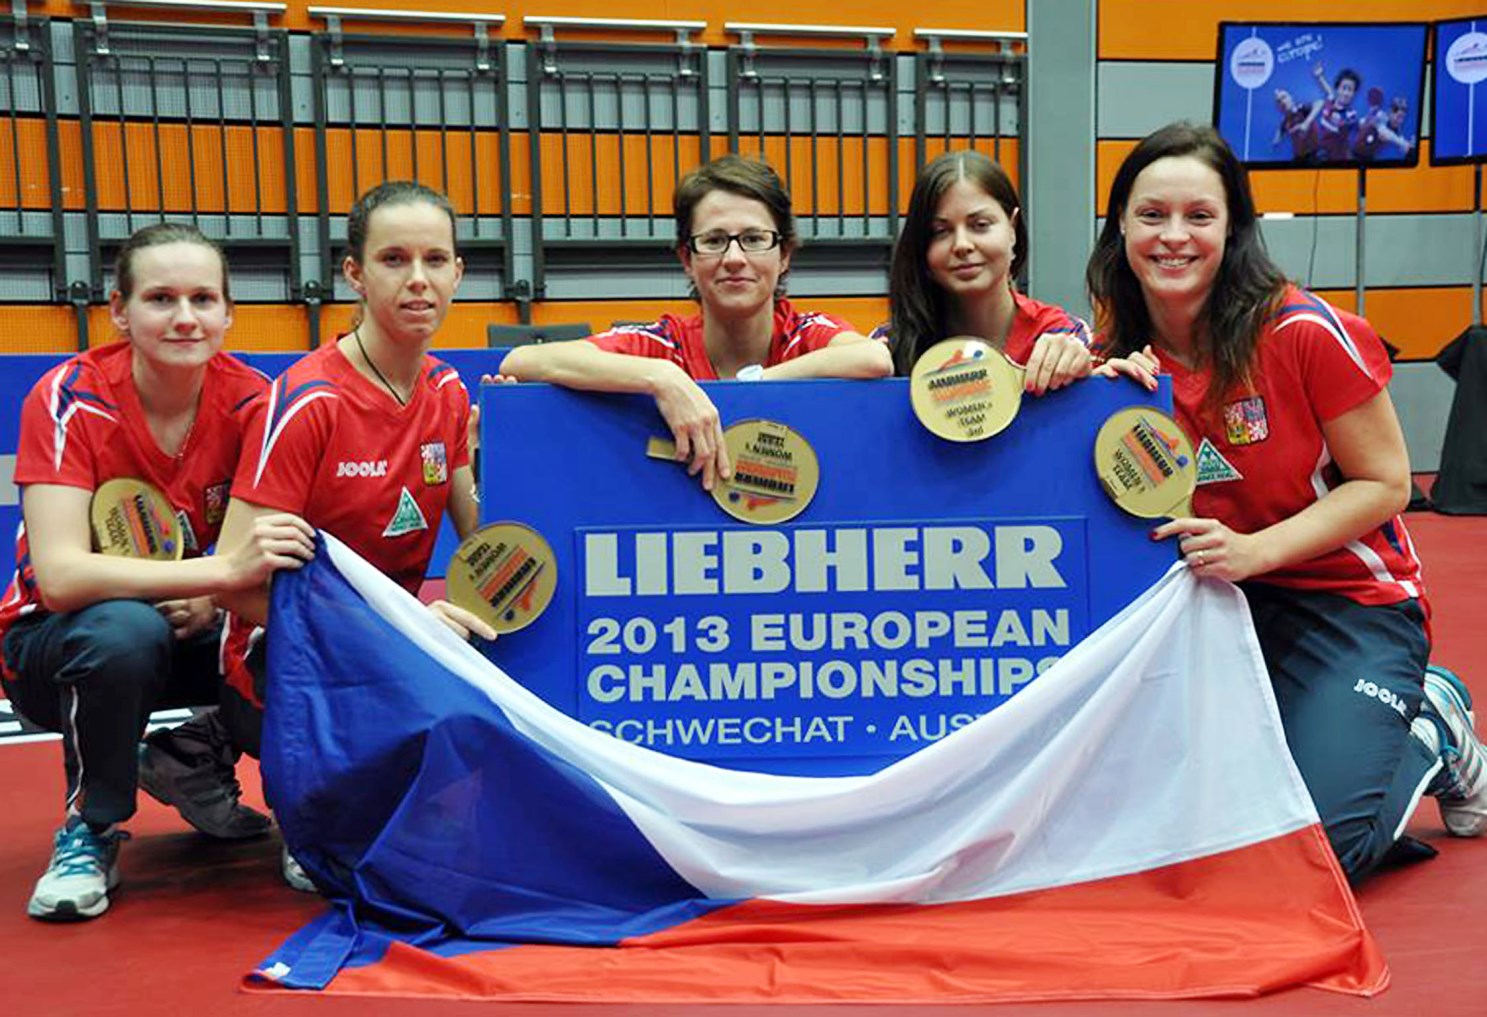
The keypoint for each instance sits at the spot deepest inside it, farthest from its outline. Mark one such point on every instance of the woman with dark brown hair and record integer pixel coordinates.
(735, 236)
(1302, 476)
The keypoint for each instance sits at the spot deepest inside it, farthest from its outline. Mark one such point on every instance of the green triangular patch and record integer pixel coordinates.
(1213, 468)
(408, 517)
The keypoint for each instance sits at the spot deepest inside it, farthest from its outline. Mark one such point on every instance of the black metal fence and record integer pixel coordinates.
(561, 155)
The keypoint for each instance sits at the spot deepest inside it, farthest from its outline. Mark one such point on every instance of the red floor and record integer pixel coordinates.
(194, 915)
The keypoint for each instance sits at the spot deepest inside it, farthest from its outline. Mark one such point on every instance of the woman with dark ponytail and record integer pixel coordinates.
(366, 438)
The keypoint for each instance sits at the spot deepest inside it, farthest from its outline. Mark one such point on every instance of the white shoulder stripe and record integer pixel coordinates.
(61, 418)
(1335, 330)
(271, 436)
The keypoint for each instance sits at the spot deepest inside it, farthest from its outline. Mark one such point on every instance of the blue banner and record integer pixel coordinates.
(925, 584)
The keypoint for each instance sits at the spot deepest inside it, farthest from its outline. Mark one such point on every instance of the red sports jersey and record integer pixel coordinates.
(335, 449)
(1264, 458)
(1335, 126)
(1030, 319)
(679, 340)
(1303, 141)
(1035, 318)
(82, 424)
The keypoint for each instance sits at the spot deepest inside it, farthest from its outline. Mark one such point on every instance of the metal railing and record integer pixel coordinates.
(826, 119)
(971, 97)
(194, 123)
(614, 127)
(31, 218)
(219, 124)
(426, 108)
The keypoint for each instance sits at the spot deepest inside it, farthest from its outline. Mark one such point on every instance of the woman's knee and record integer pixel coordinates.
(118, 641)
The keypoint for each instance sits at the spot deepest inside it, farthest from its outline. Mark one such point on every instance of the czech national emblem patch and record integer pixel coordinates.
(216, 496)
(435, 463)
(1245, 422)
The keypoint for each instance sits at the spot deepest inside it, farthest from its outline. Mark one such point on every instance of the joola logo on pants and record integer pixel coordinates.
(1382, 694)
(369, 468)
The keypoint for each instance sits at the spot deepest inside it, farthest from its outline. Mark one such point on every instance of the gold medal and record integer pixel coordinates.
(131, 518)
(1146, 463)
(775, 471)
(503, 573)
(964, 389)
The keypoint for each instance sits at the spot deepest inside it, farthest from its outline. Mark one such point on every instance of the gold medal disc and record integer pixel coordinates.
(132, 519)
(775, 473)
(1146, 463)
(503, 573)
(964, 389)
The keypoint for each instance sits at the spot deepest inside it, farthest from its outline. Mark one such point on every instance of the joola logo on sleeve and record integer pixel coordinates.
(365, 468)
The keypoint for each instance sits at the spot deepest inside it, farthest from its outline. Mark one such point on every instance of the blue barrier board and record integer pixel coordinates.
(923, 586)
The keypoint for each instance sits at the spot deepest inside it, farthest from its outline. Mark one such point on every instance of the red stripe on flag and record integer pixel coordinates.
(1238, 923)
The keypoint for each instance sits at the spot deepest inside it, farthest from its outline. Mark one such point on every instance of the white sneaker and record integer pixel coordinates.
(83, 869)
(1461, 786)
(295, 875)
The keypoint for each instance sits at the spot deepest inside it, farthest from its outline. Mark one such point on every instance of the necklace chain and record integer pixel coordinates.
(356, 334)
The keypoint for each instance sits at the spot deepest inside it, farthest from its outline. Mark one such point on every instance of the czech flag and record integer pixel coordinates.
(1130, 825)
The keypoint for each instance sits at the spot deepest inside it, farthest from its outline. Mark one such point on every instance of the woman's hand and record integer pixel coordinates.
(1140, 366)
(1057, 359)
(695, 426)
(189, 617)
(1213, 551)
(461, 622)
(275, 540)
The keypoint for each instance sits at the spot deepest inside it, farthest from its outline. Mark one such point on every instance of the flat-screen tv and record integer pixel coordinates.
(1325, 95)
(1458, 100)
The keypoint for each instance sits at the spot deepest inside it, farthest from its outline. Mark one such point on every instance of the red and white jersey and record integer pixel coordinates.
(82, 424)
(1035, 319)
(1264, 458)
(337, 450)
(1031, 319)
(679, 340)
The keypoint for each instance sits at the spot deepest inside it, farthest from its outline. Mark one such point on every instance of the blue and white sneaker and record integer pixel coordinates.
(1461, 785)
(84, 868)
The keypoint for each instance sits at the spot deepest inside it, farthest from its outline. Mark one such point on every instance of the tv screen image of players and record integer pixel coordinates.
(1321, 94)
(1458, 124)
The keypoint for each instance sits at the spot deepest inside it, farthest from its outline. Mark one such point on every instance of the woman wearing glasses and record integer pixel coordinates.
(735, 236)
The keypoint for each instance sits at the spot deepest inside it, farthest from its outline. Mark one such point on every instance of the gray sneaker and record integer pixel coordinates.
(83, 869)
(295, 874)
(1461, 785)
(204, 792)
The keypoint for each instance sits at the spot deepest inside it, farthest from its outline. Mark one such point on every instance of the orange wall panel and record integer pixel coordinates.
(49, 328)
(244, 184)
(1143, 30)
(1418, 321)
(23, 154)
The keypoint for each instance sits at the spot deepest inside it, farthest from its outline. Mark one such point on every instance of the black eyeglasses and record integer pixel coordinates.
(749, 241)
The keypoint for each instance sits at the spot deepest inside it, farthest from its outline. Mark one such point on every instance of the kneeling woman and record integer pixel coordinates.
(735, 235)
(367, 437)
(93, 643)
(1286, 399)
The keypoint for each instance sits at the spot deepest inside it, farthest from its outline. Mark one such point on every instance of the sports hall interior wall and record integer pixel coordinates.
(587, 238)
(1156, 64)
